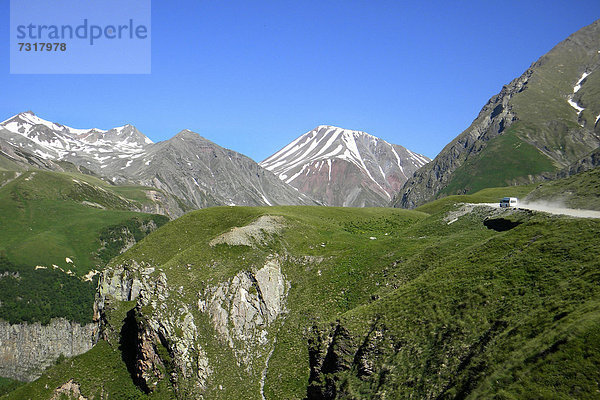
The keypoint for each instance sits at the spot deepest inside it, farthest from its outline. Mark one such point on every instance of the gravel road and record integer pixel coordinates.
(553, 209)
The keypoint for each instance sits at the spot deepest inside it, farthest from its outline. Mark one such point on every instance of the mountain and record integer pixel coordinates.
(341, 167)
(542, 121)
(188, 166)
(59, 229)
(205, 174)
(93, 148)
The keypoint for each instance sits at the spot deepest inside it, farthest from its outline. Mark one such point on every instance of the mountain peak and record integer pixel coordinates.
(344, 167)
(186, 133)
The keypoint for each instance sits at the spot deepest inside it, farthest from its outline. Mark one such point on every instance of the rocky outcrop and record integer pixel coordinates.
(334, 353)
(160, 336)
(586, 163)
(70, 390)
(27, 349)
(242, 309)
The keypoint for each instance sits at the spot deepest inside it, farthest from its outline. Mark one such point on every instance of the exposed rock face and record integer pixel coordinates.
(242, 308)
(70, 390)
(333, 351)
(162, 328)
(586, 163)
(496, 116)
(27, 349)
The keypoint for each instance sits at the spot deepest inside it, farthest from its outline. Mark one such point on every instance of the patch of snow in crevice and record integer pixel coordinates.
(575, 90)
(352, 151)
(575, 105)
(398, 162)
(578, 84)
(266, 200)
(419, 158)
(297, 174)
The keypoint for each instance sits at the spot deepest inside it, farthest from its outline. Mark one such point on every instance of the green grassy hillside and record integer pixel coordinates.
(57, 227)
(513, 316)
(506, 158)
(47, 217)
(578, 191)
(424, 307)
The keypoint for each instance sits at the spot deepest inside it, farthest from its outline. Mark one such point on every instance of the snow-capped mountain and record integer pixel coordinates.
(93, 148)
(198, 171)
(341, 167)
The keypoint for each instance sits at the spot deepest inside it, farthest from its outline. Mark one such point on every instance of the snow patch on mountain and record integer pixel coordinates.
(576, 88)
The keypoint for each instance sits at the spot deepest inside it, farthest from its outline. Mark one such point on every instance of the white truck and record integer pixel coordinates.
(509, 202)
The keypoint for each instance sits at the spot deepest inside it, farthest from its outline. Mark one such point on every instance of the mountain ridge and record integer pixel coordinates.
(212, 176)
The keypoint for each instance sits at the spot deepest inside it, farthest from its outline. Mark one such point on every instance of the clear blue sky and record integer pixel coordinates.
(254, 75)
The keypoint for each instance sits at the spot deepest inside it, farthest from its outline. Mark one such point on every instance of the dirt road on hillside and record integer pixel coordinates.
(552, 209)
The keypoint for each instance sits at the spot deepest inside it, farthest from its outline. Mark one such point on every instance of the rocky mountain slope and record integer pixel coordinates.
(542, 121)
(337, 303)
(204, 174)
(341, 167)
(188, 166)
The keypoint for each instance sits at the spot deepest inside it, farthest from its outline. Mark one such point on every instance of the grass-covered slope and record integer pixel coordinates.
(57, 227)
(513, 316)
(426, 307)
(578, 191)
(99, 372)
(506, 158)
(47, 217)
